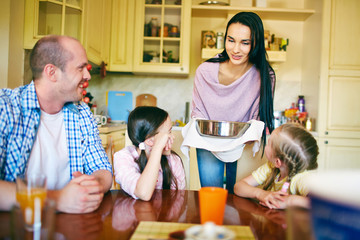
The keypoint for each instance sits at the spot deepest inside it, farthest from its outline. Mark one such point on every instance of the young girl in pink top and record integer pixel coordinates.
(149, 163)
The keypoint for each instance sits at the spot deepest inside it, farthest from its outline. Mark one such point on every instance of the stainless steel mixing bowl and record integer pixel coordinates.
(225, 129)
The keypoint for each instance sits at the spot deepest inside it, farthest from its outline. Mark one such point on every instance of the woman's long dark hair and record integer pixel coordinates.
(258, 57)
(143, 122)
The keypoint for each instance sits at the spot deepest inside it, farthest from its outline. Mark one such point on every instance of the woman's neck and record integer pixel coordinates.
(229, 73)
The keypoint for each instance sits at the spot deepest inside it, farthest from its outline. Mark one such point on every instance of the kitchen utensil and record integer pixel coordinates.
(225, 129)
(145, 100)
(120, 104)
(214, 3)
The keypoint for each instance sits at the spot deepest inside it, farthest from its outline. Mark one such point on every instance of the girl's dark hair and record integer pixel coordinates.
(143, 123)
(296, 148)
(258, 57)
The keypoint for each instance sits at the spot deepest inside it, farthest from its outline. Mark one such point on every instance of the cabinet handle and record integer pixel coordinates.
(181, 69)
(326, 132)
(326, 142)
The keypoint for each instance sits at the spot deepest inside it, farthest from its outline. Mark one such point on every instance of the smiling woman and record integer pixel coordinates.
(237, 85)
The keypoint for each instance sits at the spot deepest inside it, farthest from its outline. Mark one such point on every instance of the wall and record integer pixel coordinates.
(4, 41)
(11, 43)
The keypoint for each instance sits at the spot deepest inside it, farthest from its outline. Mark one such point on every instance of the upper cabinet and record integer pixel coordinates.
(122, 36)
(162, 36)
(44, 17)
(97, 23)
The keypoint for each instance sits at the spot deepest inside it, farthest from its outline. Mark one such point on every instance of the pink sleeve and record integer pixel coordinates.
(177, 169)
(197, 107)
(126, 171)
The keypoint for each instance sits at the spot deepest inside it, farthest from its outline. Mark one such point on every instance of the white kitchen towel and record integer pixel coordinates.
(226, 149)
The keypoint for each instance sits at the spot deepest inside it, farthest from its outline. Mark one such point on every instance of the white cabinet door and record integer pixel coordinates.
(339, 153)
(339, 105)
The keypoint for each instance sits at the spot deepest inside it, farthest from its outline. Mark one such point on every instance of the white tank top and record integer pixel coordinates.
(49, 154)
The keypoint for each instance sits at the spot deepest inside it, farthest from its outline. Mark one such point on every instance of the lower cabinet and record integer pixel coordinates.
(113, 140)
(339, 153)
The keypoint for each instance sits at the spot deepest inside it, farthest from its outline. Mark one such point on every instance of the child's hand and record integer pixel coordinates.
(163, 141)
(273, 200)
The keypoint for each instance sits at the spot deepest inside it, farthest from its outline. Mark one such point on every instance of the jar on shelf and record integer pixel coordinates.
(154, 27)
(166, 31)
(219, 40)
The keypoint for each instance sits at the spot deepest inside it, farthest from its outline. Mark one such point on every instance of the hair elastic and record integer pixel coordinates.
(142, 146)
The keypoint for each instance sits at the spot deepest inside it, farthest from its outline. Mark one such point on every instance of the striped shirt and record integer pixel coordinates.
(19, 121)
(127, 171)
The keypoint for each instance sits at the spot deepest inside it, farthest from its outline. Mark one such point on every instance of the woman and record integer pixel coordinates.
(237, 85)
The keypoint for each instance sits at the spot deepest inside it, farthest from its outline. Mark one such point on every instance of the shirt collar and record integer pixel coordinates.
(29, 100)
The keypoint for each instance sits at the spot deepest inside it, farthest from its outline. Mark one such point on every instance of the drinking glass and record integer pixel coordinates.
(212, 204)
(31, 196)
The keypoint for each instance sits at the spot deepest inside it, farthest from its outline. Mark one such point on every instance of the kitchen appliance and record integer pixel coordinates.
(225, 129)
(119, 104)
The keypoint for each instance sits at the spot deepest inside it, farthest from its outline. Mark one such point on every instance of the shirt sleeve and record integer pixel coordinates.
(262, 173)
(177, 169)
(93, 150)
(299, 184)
(127, 172)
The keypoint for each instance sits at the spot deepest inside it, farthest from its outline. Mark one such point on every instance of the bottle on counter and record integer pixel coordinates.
(219, 40)
(301, 103)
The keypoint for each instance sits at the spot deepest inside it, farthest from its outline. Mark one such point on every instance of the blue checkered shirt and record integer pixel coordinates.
(19, 121)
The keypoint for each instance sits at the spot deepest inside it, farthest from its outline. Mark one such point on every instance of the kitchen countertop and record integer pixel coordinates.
(111, 127)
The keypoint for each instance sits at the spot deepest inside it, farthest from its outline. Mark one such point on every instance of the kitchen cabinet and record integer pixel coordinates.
(162, 37)
(44, 17)
(122, 36)
(113, 140)
(339, 99)
(97, 23)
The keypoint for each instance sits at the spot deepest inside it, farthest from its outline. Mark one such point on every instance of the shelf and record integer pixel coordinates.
(264, 13)
(274, 56)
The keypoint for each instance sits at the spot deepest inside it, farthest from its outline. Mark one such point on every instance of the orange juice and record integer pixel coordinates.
(26, 199)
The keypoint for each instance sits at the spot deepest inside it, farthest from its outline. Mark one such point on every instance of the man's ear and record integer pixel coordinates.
(149, 141)
(50, 71)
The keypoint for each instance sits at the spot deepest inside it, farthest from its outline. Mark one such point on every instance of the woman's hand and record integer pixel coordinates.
(273, 200)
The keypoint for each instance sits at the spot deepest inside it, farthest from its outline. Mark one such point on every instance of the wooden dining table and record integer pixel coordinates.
(119, 215)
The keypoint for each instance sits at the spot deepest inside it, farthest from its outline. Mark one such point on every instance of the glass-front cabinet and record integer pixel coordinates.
(162, 36)
(45, 17)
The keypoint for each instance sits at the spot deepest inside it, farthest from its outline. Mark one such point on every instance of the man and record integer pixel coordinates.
(44, 127)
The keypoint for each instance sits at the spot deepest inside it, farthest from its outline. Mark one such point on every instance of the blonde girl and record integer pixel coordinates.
(149, 163)
(291, 152)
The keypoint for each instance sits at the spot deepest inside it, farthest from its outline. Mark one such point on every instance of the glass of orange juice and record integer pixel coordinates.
(31, 196)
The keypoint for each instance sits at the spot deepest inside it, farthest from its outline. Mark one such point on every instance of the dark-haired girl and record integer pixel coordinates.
(236, 85)
(149, 163)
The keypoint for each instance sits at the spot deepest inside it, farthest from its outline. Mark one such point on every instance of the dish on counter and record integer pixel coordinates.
(214, 3)
(224, 129)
